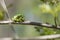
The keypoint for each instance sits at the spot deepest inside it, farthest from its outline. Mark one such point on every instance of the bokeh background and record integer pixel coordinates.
(30, 9)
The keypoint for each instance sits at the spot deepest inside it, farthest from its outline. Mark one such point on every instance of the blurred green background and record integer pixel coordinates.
(30, 9)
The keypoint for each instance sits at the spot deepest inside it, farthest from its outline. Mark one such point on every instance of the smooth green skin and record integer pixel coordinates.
(18, 18)
(1, 15)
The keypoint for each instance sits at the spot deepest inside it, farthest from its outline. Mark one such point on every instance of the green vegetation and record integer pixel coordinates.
(1, 15)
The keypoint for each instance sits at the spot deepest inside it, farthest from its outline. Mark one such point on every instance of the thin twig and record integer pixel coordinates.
(40, 37)
(31, 23)
(35, 38)
(55, 19)
(36, 24)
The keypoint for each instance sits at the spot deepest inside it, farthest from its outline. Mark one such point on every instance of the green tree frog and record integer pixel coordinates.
(18, 18)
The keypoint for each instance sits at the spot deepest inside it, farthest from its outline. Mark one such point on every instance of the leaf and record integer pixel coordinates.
(45, 8)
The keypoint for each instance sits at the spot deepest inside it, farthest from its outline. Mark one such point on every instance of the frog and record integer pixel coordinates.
(18, 18)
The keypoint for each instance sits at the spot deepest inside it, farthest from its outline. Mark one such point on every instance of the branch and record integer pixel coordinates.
(34, 38)
(36, 24)
(43, 37)
(30, 23)
(37, 38)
